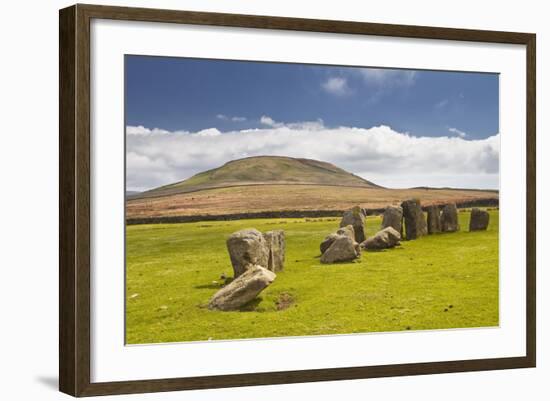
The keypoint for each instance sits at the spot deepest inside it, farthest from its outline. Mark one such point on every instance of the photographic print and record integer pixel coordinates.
(270, 199)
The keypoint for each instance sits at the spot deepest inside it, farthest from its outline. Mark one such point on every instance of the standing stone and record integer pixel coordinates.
(327, 242)
(393, 217)
(348, 231)
(342, 249)
(383, 239)
(276, 250)
(449, 219)
(434, 220)
(479, 220)
(247, 247)
(356, 218)
(415, 224)
(243, 289)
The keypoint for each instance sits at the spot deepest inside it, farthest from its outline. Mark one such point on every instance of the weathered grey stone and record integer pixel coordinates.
(357, 247)
(276, 250)
(243, 289)
(449, 219)
(327, 242)
(356, 218)
(247, 247)
(415, 223)
(479, 219)
(383, 239)
(394, 235)
(348, 231)
(342, 249)
(434, 220)
(393, 217)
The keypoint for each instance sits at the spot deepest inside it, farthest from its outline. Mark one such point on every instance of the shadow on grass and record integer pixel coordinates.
(214, 285)
(251, 306)
(395, 248)
(349, 262)
(211, 286)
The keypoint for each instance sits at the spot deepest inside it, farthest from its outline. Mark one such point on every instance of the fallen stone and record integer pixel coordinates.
(356, 218)
(276, 250)
(393, 217)
(449, 219)
(434, 220)
(243, 289)
(479, 220)
(383, 239)
(415, 223)
(247, 247)
(342, 249)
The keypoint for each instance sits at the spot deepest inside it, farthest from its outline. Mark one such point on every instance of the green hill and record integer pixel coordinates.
(263, 170)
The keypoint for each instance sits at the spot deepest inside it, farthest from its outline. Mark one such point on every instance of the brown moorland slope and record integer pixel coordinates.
(264, 198)
(278, 184)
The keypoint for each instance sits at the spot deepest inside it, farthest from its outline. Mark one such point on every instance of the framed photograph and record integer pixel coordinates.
(250, 200)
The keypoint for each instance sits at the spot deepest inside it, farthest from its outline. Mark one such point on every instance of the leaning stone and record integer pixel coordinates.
(434, 220)
(348, 231)
(276, 247)
(243, 289)
(247, 247)
(343, 249)
(479, 220)
(383, 239)
(393, 217)
(449, 219)
(357, 247)
(415, 224)
(356, 218)
(327, 242)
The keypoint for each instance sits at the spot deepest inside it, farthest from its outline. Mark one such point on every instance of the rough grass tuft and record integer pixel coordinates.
(284, 301)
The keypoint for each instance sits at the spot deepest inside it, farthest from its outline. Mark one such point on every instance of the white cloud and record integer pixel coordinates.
(336, 86)
(208, 132)
(235, 119)
(441, 104)
(380, 154)
(458, 132)
(266, 120)
(141, 130)
(388, 78)
(302, 125)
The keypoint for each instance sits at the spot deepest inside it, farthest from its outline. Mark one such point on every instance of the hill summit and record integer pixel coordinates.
(264, 170)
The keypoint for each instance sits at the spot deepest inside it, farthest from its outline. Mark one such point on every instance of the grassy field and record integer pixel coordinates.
(438, 281)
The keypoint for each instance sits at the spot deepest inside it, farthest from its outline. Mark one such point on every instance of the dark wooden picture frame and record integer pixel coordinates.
(74, 199)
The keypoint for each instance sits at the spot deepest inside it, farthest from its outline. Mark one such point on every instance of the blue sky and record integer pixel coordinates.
(189, 94)
(398, 128)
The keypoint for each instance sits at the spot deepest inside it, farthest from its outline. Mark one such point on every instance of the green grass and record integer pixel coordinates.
(438, 281)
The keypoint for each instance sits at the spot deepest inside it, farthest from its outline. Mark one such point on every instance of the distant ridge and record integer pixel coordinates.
(263, 170)
(457, 189)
